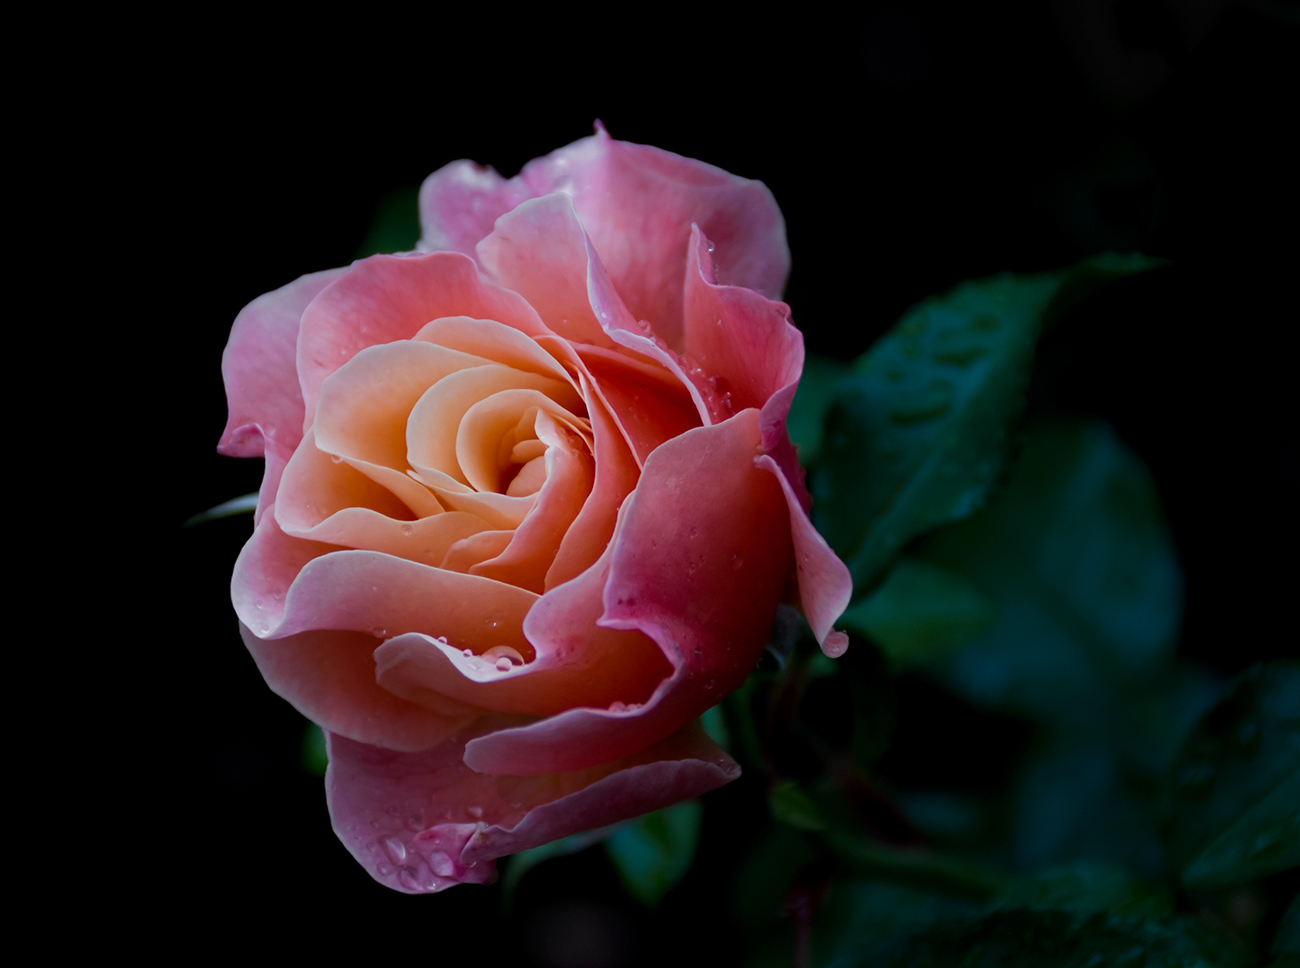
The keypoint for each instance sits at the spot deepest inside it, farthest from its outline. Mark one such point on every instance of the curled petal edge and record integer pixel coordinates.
(382, 803)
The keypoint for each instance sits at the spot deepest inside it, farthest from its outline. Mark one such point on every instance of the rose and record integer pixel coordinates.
(544, 462)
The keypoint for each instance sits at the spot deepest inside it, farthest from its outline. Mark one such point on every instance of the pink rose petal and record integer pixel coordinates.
(637, 204)
(386, 298)
(697, 564)
(738, 335)
(422, 822)
(825, 585)
(329, 677)
(263, 401)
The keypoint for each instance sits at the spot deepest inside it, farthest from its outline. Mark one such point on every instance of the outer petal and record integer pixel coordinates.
(282, 586)
(616, 476)
(737, 335)
(386, 298)
(637, 203)
(423, 822)
(542, 251)
(258, 366)
(825, 585)
(697, 564)
(459, 204)
(329, 677)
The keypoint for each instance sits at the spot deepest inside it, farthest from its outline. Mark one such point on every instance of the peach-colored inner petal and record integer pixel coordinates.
(492, 341)
(569, 472)
(431, 430)
(468, 552)
(315, 486)
(491, 429)
(364, 404)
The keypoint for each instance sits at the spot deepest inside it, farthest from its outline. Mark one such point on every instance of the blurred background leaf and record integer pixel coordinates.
(1037, 938)
(314, 758)
(1287, 940)
(396, 224)
(521, 863)
(655, 851)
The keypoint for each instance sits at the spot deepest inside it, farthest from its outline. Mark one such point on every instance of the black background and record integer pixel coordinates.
(909, 148)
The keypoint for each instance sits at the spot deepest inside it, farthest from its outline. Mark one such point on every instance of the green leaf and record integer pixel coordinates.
(1235, 793)
(792, 806)
(313, 757)
(654, 852)
(715, 725)
(1076, 802)
(396, 225)
(865, 921)
(1287, 939)
(765, 874)
(931, 870)
(913, 438)
(921, 612)
(1085, 888)
(1060, 939)
(1076, 559)
(820, 379)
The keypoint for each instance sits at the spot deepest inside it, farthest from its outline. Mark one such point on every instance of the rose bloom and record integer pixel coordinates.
(529, 504)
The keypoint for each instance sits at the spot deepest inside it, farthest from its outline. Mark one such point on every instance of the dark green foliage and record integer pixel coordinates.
(1085, 889)
(913, 435)
(1287, 940)
(1235, 792)
(396, 225)
(1059, 939)
(867, 922)
(654, 852)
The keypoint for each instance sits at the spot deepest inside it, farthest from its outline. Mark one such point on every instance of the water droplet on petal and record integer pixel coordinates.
(395, 849)
(407, 529)
(407, 879)
(475, 812)
(336, 459)
(737, 562)
(442, 864)
(710, 684)
(504, 664)
(384, 869)
(414, 824)
(836, 644)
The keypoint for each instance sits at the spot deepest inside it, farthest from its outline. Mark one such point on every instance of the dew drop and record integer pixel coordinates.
(414, 823)
(737, 562)
(709, 246)
(442, 864)
(710, 684)
(336, 459)
(475, 812)
(503, 653)
(695, 532)
(836, 644)
(617, 707)
(384, 869)
(407, 879)
(408, 529)
(395, 849)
